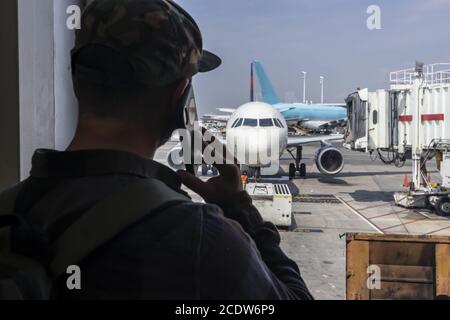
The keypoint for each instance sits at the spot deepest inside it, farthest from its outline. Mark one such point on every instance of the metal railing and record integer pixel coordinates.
(434, 74)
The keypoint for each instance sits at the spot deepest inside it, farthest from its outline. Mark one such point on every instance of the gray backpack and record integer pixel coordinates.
(23, 278)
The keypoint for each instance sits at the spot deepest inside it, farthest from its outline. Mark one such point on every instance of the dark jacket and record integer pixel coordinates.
(186, 251)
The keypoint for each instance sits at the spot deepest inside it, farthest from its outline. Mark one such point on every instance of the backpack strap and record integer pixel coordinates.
(109, 218)
(8, 200)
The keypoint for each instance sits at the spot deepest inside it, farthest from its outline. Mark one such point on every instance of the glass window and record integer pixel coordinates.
(239, 123)
(280, 124)
(277, 123)
(250, 123)
(235, 123)
(265, 123)
(375, 117)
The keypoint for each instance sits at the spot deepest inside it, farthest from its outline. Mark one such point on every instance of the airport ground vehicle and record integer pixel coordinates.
(397, 267)
(409, 121)
(274, 202)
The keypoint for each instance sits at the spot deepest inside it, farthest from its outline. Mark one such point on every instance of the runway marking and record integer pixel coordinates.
(432, 218)
(417, 217)
(386, 215)
(373, 207)
(439, 230)
(360, 215)
(403, 224)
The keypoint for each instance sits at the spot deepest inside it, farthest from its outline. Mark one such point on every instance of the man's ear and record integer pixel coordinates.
(177, 94)
(181, 87)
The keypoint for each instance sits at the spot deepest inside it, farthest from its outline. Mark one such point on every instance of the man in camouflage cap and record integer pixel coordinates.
(160, 40)
(131, 64)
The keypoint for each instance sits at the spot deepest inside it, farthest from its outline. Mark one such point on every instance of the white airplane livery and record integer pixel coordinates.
(257, 134)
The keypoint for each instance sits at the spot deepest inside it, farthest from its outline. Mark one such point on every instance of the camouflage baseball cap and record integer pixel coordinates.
(159, 40)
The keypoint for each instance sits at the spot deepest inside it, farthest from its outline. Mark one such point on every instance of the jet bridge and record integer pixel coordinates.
(411, 120)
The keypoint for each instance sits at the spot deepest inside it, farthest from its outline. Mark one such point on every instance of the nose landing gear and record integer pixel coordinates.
(297, 166)
(206, 168)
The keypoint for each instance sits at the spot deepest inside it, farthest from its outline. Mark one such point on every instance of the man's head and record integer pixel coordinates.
(133, 58)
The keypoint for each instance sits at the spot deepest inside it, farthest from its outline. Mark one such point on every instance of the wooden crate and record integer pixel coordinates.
(411, 267)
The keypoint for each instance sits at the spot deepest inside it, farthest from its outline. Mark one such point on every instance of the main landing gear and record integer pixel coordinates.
(297, 166)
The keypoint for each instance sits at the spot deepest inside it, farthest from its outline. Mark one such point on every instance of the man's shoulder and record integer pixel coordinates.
(175, 231)
(10, 190)
(205, 212)
(210, 221)
(188, 219)
(193, 210)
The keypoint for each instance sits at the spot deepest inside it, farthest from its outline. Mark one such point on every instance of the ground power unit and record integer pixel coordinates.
(274, 202)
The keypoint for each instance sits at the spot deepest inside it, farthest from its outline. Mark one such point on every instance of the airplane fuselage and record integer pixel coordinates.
(312, 112)
(257, 130)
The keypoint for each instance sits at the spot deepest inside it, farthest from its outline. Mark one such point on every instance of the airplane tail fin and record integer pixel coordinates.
(252, 84)
(269, 94)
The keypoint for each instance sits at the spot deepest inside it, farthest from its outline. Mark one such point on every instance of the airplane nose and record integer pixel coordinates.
(256, 147)
(260, 148)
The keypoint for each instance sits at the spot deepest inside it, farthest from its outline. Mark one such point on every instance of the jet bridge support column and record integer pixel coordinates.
(416, 129)
(423, 194)
(445, 170)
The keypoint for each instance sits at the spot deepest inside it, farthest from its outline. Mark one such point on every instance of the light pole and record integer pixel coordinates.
(304, 86)
(321, 88)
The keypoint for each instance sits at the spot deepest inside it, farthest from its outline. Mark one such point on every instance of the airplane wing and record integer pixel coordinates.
(215, 118)
(295, 119)
(226, 110)
(321, 125)
(298, 141)
(342, 105)
(286, 109)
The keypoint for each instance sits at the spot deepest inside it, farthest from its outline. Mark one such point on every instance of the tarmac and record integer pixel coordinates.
(360, 199)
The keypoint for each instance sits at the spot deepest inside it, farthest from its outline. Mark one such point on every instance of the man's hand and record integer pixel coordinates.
(216, 190)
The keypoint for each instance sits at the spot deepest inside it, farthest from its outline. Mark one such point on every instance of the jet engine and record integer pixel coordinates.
(329, 160)
(175, 158)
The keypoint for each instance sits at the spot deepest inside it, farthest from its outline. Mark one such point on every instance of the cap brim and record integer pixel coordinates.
(209, 62)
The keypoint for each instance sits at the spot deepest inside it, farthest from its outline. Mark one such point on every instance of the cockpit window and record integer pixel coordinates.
(250, 123)
(278, 123)
(238, 123)
(235, 123)
(265, 123)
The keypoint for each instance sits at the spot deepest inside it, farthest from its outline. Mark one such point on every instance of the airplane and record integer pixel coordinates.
(315, 117)
(309, 116)
(254, 121)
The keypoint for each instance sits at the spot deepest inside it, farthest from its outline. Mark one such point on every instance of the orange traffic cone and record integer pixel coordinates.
(406, 182)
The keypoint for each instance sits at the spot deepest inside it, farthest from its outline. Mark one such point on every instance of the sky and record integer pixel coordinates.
(321, 37)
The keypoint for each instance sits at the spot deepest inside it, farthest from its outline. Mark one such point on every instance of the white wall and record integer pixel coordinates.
(36, 74)
(47, 103)
(65, 102)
